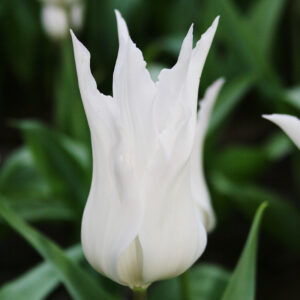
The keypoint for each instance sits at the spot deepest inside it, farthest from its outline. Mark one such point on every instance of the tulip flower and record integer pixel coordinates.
(148, 210)
(289, 124)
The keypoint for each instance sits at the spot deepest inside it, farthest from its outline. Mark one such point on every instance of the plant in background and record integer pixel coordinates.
(148, 209)
(59, 15)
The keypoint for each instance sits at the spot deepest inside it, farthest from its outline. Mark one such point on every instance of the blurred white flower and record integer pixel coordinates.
(148, 210)
(289, 124)
(55, 21)
(76, 15)
(58, 16)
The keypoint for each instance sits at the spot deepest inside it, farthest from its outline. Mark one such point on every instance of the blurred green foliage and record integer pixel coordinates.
(47, 179)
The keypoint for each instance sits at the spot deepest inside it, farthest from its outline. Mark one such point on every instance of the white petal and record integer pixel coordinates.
(113, 212)
(179, 85)
(102, 111)
(123, 33)
(289, 124)
(98, 107)
(171, 83)
(172, 235)
(198, 59)
(198, 183)
(131, 265)
(134, 91)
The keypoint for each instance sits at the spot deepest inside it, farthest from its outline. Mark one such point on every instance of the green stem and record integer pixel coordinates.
(184, 286)
(139, 294)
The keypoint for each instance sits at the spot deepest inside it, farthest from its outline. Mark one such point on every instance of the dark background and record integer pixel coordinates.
(248, 160)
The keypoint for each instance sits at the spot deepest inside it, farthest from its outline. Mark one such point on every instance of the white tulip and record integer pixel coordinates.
(148, 209)
(289, 124)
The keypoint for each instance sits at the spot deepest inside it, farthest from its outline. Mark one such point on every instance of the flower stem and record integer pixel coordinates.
(184, 286)
(139, 294)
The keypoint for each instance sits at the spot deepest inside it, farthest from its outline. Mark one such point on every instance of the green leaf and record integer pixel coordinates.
(56, 158)
(239, 37)
(37, 283)
(80, 284)
(282, 219)
(264, 18)
(206, 282)
(242, 281)
(28, 192)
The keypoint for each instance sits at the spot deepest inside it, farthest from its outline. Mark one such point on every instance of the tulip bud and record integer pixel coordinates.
(55, 21)
(289, 124)
(148, 210)
(59, 15)
(76, 15)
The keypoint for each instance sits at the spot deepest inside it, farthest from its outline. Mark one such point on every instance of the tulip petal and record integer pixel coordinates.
(198, 59)
(172, 236)
(198, 183)
(113, 212)
(134, 91)
(179, 85)
(98, 107)
(289, 124)
(170, 85)
(171, 220)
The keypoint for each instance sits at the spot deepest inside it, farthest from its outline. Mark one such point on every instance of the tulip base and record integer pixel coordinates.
(139, 294)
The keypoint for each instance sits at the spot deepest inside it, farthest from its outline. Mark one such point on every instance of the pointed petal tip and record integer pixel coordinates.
(80, 51)
(72, 34)
(210, 32)
(216, 86)
(219, 82)
(190, 33)
(267, 117)
(215, 23)
(281, 119)
(123, 32)
(191, 29)
(74, 38)
(117, 13)
(271, 116)
(189, 36)
(289, 124)
(274, 117)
